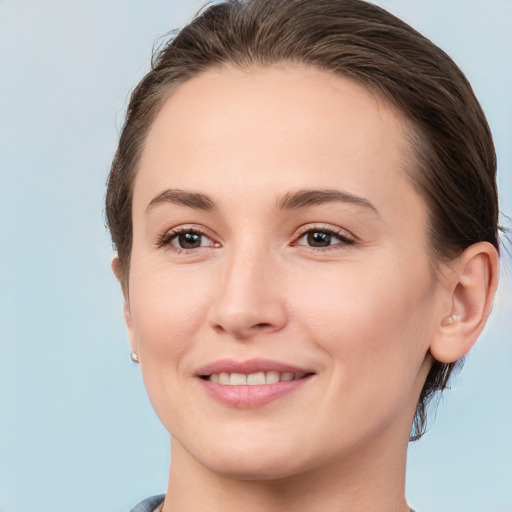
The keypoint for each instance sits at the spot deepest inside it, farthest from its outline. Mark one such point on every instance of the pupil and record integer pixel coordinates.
(318, 239)
(189, 240)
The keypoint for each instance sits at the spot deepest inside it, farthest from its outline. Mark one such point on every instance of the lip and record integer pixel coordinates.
(254, 396)
(249, 366)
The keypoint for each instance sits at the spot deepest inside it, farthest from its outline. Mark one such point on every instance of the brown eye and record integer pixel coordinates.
(190, 240)
(318, 239)
(322, 238)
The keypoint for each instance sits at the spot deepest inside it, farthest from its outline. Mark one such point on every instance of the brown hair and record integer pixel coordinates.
(455, 167)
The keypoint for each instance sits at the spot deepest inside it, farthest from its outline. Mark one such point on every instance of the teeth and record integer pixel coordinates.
(252, 379)
(256, 378)
(271, 377)
(237, 379)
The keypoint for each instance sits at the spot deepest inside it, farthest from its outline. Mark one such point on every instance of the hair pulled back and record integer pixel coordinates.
(455, 162)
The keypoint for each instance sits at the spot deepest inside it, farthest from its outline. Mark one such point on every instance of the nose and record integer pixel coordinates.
(250, 299)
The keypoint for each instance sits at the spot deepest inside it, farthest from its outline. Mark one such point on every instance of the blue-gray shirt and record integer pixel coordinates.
(149, 504)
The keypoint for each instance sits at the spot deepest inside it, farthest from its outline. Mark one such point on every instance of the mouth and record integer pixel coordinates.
(252, 383)
(253, 379)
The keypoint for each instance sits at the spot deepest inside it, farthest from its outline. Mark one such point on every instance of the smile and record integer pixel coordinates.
(253, 383)
(253, 379)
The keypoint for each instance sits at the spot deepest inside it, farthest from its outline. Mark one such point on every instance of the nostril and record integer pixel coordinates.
(262, 326)
(243, 319)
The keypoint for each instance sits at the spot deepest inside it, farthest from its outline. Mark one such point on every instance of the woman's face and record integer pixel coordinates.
(276, 235)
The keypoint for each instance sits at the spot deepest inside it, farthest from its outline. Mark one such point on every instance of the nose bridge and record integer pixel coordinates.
(249, 298)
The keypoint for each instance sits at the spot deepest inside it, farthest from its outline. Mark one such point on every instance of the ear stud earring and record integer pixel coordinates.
(134, 357)
(452, 319)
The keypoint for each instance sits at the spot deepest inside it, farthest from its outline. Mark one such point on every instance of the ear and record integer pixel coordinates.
(471, 286)
(116, 269)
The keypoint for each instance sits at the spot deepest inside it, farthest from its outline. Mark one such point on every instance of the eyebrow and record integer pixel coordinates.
(194, 200)
(305, 198)
(291, 201)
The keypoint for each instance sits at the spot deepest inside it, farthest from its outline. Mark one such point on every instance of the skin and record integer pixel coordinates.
(364, 313)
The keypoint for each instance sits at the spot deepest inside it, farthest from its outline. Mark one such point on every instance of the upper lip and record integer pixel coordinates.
(250, 366)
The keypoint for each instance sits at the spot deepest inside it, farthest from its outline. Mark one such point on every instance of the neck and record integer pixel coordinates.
(371, 478)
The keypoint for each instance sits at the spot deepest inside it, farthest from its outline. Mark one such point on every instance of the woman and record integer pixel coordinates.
(304, 208)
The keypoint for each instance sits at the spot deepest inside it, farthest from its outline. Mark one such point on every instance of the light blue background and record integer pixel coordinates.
(76, 430)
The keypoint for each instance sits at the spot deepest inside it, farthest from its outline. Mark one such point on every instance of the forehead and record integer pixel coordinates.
(272, 129)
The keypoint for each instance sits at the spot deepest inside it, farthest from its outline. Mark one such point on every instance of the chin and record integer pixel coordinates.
(255, 468)
(250, 459)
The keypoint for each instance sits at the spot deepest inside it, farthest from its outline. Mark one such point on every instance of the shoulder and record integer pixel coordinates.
(149, 504)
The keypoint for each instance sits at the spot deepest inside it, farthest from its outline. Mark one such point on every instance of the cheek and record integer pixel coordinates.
(374, 335)
(167, 309)
(372, 325)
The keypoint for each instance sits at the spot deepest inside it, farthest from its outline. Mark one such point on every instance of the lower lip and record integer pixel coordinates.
(251, 396)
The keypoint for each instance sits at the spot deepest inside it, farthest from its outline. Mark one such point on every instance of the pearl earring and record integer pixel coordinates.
(134, 357)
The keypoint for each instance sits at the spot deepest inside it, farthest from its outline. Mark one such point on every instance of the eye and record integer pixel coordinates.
(321, 238)
(184, 238)
(190, 240)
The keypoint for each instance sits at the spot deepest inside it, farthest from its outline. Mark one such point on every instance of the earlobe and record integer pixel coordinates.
(472, 286)
(129, 327)
(116, 269)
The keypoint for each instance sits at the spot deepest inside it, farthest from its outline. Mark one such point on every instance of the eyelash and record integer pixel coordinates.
(339, 234)
(166, 239)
